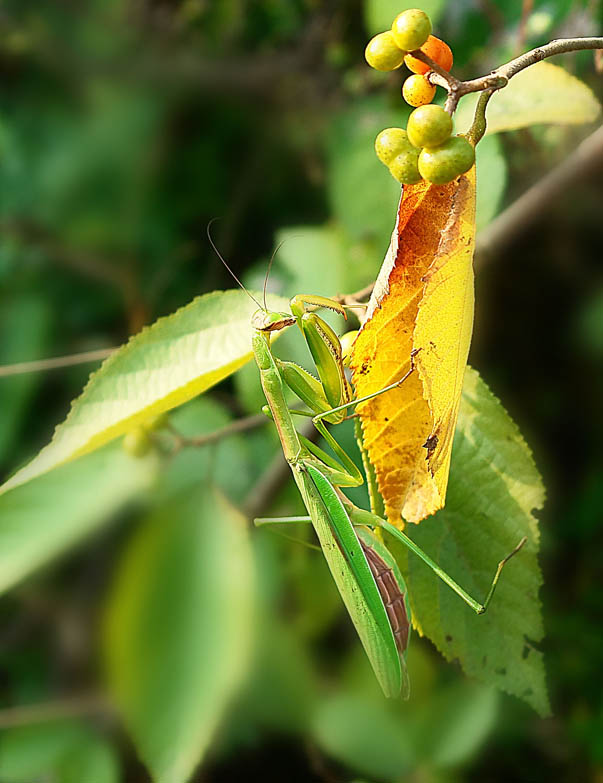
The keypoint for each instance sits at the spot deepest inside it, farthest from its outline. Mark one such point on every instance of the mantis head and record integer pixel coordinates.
(264, 321)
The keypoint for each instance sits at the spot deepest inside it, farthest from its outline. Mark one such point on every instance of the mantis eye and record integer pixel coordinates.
(271, 322)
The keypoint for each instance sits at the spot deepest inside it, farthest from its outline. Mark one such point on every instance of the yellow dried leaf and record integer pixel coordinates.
(422, 303)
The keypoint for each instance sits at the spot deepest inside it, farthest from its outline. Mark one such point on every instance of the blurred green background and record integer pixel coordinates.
(125, 127)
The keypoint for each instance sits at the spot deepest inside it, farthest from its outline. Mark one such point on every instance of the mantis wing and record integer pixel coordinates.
(353, 577)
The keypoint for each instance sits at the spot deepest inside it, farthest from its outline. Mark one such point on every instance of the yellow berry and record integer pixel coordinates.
(429, 126)
(347, 342)
(137, 442)
(417, 90)
(405, 167)
(390, 142)
(382, 53)
(157, 422)
(444, 163)
(411, 29)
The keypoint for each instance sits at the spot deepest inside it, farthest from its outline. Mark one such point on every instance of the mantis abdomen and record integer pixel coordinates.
(393, 595)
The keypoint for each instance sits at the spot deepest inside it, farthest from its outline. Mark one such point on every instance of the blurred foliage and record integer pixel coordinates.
(125, 127)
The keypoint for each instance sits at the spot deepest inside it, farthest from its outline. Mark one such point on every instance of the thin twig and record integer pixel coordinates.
(42, 365)
(535, 201)
(499, 77)
(358, 297)
(235, 427)
(26, 714)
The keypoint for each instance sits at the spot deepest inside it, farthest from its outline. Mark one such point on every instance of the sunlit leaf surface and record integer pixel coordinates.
(494, 490)
(543, 93)
(422, 304)
(163, 366)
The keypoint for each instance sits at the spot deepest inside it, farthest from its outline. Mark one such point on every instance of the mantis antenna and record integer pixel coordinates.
(267, 275)
(217, 252)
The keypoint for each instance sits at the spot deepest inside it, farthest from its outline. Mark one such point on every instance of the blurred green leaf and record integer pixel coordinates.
(493, 491)
(55, 511)
(313, 258)
(362, 192)
(324, 260)
(283, 690)
(589, 325)
(543, 93)
(364, 734)
(178, 629)
(455, 723)
(24, 333)
(61, 751)
(166, 364)
(438, 729)
(227, 462)
(491, 168)
(379, 14)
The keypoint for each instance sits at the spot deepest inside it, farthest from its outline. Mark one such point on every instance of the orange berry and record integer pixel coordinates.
(417, 91)
(438, 50)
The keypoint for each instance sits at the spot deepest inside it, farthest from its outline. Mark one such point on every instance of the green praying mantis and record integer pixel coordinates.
(365, 572)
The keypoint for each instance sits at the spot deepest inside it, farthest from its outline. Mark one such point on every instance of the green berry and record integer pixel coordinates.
(429, 126)
(137, 442)
(382, 53)
(391, 142)
(411, 29)
(404, 167)
(444, 163)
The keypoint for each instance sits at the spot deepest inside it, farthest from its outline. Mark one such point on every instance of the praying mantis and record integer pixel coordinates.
(367, 576)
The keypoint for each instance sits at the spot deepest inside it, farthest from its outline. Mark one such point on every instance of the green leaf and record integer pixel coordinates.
(177, 635)
(40, 521)
(362, 192)
(227, 461)
(439, 728)
(379, 14)
(455, 722)
(491, 169)
(166, 364)
(24, 328)
(543, 93)
(365, 735)
(91, 760)
(61, 751)
(494, 489)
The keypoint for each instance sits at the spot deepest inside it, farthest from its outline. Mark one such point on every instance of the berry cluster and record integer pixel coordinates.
(426, 149)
